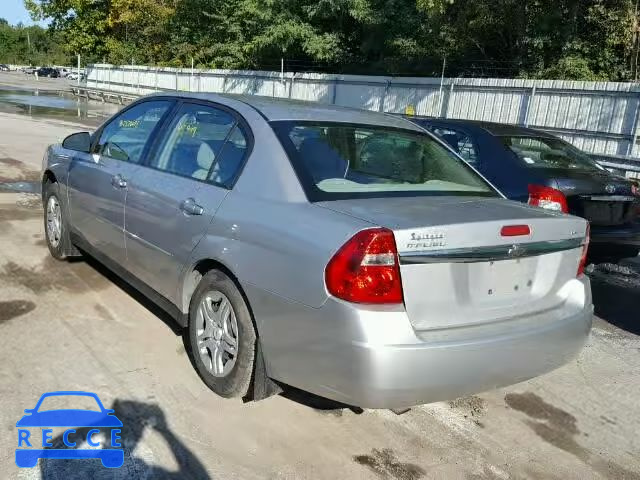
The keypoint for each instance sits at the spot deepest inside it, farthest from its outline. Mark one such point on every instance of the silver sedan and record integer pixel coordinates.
(347, 253)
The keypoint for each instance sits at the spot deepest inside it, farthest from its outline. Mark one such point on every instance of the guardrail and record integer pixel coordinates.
(103, 95)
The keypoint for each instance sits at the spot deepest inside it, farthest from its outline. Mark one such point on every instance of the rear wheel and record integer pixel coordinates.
(222, 337)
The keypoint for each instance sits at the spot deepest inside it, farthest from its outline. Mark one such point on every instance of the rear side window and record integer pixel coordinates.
(193, 141)
(351, 161)
(203, 142)
(230, 159)
(125, 137)
(543, 152)
(460, 142)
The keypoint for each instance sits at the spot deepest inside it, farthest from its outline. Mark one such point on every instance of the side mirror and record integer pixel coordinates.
(28, 410)
(80, 142)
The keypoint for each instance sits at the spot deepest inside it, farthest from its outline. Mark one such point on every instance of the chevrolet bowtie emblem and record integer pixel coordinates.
(516, 251)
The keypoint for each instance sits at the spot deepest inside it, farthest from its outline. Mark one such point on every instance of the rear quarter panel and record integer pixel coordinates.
(278, 247)
(278, 252)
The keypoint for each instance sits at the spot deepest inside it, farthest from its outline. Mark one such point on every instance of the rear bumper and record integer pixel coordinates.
(398, 376)
(623, 235)
(374, 358)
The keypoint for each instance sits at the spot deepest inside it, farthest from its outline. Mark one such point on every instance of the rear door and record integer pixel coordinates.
(174, 197)
(98, 181)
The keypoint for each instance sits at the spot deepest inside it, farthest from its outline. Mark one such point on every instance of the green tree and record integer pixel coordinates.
(577, 39)
(30, 45)
(82, 23)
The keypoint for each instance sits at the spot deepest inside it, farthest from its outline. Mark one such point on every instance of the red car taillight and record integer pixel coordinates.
(547, 197)
(365, 269)
(585, 248)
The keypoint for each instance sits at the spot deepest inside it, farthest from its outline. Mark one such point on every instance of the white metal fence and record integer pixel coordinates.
(598, 117)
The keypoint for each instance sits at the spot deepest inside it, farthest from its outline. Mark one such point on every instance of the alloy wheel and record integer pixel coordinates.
(54, 221)
(217, 333)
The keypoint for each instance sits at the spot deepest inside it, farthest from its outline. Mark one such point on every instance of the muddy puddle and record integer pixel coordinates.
(55, 105)
(21, 187)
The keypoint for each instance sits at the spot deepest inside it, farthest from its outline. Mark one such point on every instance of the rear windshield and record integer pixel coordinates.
(342, 161)
(542, 152)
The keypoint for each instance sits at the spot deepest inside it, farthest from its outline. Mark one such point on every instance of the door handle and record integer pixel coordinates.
(118, 182)
(190, 207)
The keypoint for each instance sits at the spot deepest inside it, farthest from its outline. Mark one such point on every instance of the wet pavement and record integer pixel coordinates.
(48, 106)
(21, 187)
(57, 105)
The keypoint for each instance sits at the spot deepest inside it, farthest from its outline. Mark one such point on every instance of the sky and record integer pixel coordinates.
(13, 11)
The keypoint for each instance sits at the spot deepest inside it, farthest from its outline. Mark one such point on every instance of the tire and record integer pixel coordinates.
(59, 242)
(210, 333)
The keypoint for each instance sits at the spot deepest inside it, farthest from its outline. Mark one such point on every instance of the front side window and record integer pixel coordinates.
(350, 161)
(125, 137)
(543, 152)
(203, 143)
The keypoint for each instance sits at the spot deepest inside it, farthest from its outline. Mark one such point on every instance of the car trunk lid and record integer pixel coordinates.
(600, 197)
(458, 268)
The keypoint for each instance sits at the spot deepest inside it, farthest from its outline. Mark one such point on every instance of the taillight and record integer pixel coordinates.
(547, 197)
(585, 248)
(365, 269)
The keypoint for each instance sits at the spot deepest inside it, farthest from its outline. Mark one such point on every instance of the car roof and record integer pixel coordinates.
(495, 129)
(283, 109)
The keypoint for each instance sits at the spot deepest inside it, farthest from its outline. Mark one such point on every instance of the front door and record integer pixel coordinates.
(98, 181)
(174, 197)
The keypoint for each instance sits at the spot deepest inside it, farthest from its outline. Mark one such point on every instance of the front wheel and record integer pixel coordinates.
(222, 337)
(55, 224)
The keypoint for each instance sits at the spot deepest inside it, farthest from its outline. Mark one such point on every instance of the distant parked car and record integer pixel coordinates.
(4, 68)
(48, 72)
(344, 252)
(541, 169)
(29, 70)
(74, 76)
(63, 72)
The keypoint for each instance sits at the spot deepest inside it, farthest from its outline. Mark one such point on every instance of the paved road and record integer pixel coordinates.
(73, 326)
(22, 80)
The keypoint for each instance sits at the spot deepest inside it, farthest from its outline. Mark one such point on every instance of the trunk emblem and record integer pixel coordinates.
(516, 251)
(421, 240)
(610, 188)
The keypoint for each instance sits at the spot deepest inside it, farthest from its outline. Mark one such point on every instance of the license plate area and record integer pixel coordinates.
(604, 213)
(503, 280)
